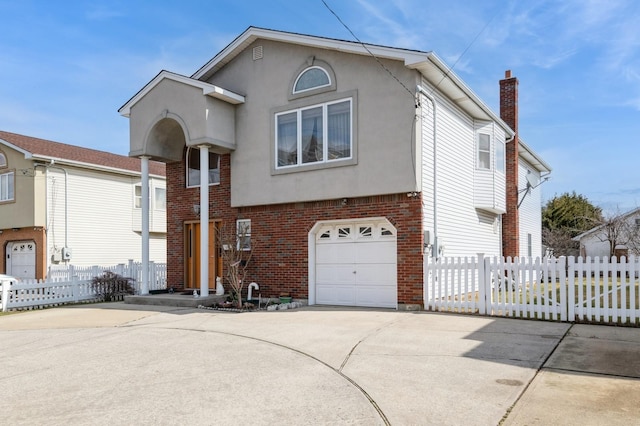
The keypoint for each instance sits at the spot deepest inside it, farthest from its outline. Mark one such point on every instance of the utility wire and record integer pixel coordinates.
(446, 74)
(369, 51)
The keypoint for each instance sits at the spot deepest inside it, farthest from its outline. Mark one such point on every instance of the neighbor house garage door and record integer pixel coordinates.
(356, 264)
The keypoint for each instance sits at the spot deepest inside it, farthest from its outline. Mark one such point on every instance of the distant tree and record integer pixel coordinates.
(564, 217)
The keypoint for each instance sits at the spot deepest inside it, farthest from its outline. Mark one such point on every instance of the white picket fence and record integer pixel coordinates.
(25, 294)
(157, 273)
(558, 289)
(72, 284)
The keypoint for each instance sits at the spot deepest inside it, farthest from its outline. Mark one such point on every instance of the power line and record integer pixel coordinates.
(369, 51)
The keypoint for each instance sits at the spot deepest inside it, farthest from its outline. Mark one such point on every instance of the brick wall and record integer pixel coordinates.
(509, 113)
(280, 233)
(36, 234)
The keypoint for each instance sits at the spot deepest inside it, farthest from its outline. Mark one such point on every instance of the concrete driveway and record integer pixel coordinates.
(127, 364)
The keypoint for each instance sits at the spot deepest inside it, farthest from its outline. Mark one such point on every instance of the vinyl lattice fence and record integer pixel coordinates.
(598, 290)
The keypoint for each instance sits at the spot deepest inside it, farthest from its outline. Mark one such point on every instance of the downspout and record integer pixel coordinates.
(66, 198)
(434, 247)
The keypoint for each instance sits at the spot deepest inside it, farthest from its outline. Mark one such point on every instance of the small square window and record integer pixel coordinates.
(243, 229)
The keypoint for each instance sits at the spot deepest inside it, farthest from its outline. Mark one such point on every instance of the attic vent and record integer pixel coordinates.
(257, 53)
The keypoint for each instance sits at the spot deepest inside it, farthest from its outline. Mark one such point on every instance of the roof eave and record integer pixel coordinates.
(442, 77)
(80, 164)
(207, 90)
(253, 33)
(532, 157)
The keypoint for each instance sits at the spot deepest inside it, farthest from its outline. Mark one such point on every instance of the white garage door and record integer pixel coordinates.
(21, 262)
(356, 264)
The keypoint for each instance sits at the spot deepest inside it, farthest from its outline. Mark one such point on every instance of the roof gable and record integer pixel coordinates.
(35, 148)
(428, 64)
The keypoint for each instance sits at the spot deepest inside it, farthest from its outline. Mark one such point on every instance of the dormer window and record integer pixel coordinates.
(312, 78)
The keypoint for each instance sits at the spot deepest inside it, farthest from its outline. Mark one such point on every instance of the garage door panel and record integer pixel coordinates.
(335, 253)
(376, 274)
(335, 295)
(376, 296)
(374, 252)
(335, 274)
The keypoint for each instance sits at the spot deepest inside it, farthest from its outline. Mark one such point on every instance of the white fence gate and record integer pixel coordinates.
(558, 289)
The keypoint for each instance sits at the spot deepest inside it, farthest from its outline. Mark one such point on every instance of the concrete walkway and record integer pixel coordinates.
(127, 364)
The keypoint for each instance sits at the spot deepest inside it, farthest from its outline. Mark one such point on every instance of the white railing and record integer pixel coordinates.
(591, 290)
(157, 273)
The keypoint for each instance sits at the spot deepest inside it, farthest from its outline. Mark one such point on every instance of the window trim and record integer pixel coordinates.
(186, 167)
(481, 151)
(240, 244)
(153, 200)
(325, 99)
(312, 63)
(11, 173)
(312, 67)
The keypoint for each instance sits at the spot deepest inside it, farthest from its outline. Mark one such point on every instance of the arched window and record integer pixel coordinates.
(313, 77)
(193, 167)
(3, 160)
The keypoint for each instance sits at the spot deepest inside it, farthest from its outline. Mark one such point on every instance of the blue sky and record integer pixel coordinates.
(66, 67)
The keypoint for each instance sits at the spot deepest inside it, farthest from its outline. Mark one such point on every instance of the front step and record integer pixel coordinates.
(178, 300)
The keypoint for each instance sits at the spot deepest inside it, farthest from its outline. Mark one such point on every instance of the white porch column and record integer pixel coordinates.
(144, 169)
(204, 220)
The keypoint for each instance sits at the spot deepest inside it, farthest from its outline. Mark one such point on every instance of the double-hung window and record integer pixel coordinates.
(315, 134)
(484, 151)
(7, 183)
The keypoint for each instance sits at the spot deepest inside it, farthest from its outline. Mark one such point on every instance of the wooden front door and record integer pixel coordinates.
(192, 255)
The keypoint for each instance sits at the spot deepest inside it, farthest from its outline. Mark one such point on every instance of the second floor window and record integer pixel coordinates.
(484, 151)
(315, 134)
(193, 167)
(7, 186)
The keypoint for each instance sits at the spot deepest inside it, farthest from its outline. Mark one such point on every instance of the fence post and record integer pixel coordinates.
(571, 287)
(130, 272)
(152, 276)
(562, 267)
(74, 288)
(6, 286)
(71, 271)
(482, 289)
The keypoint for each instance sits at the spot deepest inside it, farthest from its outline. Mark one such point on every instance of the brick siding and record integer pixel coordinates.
(280, 233)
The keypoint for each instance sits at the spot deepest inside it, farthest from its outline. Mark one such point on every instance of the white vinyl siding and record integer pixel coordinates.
(530, 212)
(101, 217)
(462, 229)
(489, 183)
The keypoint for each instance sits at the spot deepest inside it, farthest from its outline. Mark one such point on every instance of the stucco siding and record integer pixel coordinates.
(22, 211)
(383, 114)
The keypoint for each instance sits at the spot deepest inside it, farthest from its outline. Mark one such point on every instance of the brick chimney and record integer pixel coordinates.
(509, 113)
